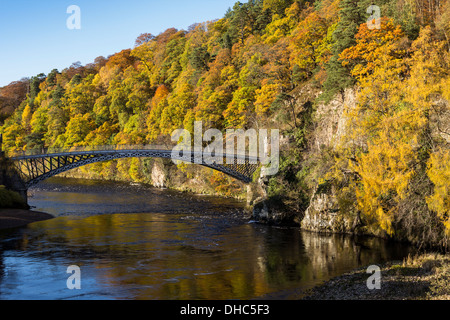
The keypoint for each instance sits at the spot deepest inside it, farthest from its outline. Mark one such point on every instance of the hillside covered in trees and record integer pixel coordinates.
(271, 64)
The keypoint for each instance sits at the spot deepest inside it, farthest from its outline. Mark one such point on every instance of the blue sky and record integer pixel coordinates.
(34, 37)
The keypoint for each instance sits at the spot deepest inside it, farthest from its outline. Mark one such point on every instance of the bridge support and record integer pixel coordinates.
(24, 194)
(10, 178)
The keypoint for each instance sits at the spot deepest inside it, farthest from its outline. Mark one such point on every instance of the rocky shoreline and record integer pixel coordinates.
(421, 277)
(14, 218)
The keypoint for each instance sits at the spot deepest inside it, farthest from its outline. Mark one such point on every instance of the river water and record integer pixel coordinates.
(132, 241)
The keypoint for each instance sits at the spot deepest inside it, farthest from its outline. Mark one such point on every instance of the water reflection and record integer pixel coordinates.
(204, 253)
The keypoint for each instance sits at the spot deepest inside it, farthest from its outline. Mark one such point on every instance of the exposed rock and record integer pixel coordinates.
(266, 210)
(330, 120)
(273, 212)
(440, 120)
(159, 175)
(264, 214)
(256, 191)
(323, 215)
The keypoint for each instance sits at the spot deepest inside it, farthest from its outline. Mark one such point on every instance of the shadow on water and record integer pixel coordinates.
(136, 242)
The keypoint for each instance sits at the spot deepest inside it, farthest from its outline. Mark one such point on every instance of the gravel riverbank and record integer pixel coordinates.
(421, 277)
(13, 218)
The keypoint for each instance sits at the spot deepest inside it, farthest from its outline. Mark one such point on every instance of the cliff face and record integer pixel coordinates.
(324, 213)
(159, 175)
(330, 121)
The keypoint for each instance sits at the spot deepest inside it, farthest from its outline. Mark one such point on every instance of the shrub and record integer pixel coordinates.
(10, 199)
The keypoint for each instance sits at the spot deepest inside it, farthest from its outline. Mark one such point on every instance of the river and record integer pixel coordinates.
(132, 241)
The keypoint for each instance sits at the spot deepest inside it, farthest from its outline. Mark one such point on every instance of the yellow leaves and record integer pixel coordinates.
(224, 185)
(135, 170)
(80, 98)
(306, 38)
(429, 67)
(439, 173)
(374, 48)
(266, 96)
(236, 114)
(385, 171)
(229, 76)
(13, 137)
(77, 129)
(280, 26)
(324, 52)
(277, 29)
(390, 116)
(26, 117)
(385, 219)
(445, 84)
(179, 102)
(101, 135)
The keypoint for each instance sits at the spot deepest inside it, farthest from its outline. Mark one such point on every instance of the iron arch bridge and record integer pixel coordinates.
(35, 166)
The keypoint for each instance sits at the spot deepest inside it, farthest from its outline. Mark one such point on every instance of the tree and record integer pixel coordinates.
(11, 96)
(215, 91)
(278, 6)
(78, 127)
(247, 19)
(389, 141)
(283, 22)
(157, 105)
(266, 96)
(51, 78)
(199, 58)
(305, 40)
(35, 87)
(123, 59)
(439, 173)
(443, 22)
(143, 38)
(79, 96)
(351, 16)
(372, 48)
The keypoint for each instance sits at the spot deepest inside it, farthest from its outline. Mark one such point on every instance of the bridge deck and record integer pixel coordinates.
(37, 165)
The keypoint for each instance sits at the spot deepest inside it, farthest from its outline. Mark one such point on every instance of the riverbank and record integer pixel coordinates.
(421, 277)
(13, 218)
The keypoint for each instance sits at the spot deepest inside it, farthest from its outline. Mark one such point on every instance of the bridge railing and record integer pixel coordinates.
(121, 147)
(109, 148)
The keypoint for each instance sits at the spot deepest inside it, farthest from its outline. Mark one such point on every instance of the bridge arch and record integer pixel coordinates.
(35, 167)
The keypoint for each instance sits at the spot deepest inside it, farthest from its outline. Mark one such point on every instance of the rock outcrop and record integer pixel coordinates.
(324, 215)
(159, 174)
